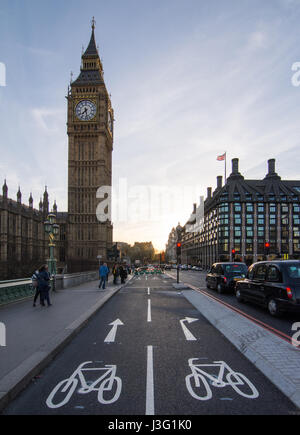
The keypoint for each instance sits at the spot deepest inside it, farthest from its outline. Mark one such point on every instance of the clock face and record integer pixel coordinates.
(85, 110)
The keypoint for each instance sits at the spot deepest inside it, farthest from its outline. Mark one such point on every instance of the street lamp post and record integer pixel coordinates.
(52, 229)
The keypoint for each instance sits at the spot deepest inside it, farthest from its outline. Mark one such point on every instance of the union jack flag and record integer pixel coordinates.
(221, 158)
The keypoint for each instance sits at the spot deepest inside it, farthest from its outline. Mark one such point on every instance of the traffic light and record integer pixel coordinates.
(233, 254)
(178, 249)
(267, 248)
(113, 254)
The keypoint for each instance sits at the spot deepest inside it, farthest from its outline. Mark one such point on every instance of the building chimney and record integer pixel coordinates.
(271, 169)
(209, 190)
(235, 166)
(271, 164)
(219, 182)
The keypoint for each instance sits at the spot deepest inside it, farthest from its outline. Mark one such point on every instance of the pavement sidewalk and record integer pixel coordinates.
(34, 336)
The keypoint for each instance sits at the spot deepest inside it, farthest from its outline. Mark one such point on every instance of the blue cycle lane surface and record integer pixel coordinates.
(149, 351)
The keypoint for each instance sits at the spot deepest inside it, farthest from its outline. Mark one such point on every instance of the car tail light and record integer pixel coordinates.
(289, 293)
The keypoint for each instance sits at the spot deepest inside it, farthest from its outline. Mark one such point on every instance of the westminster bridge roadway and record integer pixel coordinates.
(150, 351)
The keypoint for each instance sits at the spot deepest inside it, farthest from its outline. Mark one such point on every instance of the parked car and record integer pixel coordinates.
(168, 267)
(273, 284)
(223, 276)
(198, 268)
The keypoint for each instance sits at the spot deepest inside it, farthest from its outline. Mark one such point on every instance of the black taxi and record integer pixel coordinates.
(223, 276)
(273, 284)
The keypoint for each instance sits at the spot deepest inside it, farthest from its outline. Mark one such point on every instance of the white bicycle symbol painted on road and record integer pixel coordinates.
(198, 382)
(108, 384)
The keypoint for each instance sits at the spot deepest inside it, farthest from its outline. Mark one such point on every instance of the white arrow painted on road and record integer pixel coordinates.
(112, 335)
(188, 335)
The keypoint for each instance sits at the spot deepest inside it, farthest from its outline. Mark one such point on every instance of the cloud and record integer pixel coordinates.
(257, 40)
(48, 120)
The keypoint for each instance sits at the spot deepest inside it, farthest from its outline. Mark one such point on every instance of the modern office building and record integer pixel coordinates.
(243, 216)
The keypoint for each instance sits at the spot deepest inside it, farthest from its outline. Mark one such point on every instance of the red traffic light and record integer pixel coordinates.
(178, 245)
(267, 245)
(233, 251)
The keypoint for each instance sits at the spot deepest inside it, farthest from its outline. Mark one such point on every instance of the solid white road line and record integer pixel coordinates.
(148, 290)
(150, 383)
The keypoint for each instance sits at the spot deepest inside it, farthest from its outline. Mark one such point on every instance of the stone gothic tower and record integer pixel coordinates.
(90, 132)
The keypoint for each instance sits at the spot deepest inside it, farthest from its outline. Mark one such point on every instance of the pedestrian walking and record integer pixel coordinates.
(103, 275)
(123, 274)
(44, 285)
(115, 272)
(35, 286)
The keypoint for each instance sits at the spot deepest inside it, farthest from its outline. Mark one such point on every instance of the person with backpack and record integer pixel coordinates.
(35, 286)
(44, 285)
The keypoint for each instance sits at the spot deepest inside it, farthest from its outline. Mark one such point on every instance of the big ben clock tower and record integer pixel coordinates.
(90, 132)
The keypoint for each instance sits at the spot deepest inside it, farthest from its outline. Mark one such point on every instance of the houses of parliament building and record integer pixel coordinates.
(82, 237)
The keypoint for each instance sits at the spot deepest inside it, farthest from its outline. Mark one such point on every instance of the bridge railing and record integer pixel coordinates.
(19, 289)
(12, 291)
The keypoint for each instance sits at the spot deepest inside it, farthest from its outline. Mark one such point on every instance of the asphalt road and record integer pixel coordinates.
(137, 355)
(282, 324)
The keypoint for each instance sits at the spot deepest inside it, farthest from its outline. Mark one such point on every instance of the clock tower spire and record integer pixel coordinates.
(90, 132)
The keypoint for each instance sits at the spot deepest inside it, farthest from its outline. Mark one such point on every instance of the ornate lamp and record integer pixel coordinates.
(52, 230)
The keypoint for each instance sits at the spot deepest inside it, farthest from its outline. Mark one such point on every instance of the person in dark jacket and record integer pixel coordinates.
(123, 274)
(44, 285)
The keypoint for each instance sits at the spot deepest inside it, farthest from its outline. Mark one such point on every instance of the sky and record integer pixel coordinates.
(188, 79)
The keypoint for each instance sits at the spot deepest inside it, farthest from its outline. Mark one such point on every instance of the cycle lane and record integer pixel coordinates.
(206, 346)
(165, 333)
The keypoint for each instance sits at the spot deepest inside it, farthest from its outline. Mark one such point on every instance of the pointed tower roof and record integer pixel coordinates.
(91, 68)
(30, 200)
(55, 207)
(5, 189)
(91, 51)
(19, 195)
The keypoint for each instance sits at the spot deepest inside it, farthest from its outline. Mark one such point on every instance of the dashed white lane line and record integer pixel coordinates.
(149, 319)
(150, 383)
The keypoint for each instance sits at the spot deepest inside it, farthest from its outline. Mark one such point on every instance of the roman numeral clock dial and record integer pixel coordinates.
(85, 110)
